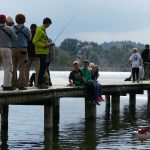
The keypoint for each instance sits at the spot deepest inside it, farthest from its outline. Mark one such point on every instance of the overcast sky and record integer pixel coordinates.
(95, 20)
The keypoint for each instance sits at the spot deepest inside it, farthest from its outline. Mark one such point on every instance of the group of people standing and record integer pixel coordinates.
(87, 76)
(19, 48)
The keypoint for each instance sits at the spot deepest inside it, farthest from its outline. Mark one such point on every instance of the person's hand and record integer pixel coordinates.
(52, 44)
(48, 45)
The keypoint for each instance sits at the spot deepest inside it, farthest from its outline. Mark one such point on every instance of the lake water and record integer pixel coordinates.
(74, 132)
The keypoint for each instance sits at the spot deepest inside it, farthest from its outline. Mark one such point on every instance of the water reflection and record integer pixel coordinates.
(90, 141)
(108, 130)
(4, 139)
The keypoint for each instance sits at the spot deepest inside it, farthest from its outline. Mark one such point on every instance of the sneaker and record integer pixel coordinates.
(50, 83)
(97, 103)
(100, 99)
(42, 86)
(8, 88)
(30, 84)
(107, 99)
(22, 88)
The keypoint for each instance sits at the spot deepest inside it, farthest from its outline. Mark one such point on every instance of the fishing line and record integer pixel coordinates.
(132, 120)
(68, 23)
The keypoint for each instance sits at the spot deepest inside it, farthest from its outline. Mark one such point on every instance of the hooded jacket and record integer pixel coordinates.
(40, 39)
(7, 36)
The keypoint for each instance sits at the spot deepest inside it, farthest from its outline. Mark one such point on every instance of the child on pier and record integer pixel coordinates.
(97, 86)
(76, 75)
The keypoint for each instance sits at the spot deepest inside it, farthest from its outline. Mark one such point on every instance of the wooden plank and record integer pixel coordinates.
(42, 96)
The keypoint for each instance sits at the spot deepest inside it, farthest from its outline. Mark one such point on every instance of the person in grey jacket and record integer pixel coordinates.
(7, 36)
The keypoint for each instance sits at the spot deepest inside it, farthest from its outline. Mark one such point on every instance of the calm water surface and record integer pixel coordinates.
(74, 132)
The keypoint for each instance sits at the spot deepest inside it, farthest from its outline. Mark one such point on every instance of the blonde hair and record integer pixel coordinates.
(134, 49)
(75, 62)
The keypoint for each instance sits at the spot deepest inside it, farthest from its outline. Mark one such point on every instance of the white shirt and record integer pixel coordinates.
(135, 60)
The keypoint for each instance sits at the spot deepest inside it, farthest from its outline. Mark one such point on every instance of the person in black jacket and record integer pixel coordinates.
(32, 57)
(145, 54)
(146, 58)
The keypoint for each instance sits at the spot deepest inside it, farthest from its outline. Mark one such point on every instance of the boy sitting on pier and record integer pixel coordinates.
(76, 75)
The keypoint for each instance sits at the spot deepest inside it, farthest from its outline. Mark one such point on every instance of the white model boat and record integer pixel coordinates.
(142, 133)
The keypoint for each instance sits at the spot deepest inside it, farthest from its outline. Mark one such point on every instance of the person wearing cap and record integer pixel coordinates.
(19, 52)
(76, 75)
(135, 60)
(7, 36)
(146, 59)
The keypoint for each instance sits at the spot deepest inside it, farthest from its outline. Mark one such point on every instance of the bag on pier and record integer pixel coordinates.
(141, 72)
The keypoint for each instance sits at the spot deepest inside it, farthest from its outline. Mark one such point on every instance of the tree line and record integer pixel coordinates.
(108, 55)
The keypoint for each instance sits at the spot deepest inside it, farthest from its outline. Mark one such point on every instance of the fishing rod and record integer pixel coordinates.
(68, 23)
(133, 122)
(62, 30)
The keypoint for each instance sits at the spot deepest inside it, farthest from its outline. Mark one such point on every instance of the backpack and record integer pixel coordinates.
(20, 31)
(2, 28)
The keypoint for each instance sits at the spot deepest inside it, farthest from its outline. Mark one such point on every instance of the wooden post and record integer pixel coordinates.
(48, 140)
(115, 117)
(107, 99)
(90, 134)
(132, 100)
(56, 109)
(115, 103)
(4, 117)
(148, 97)
(107, 108)
(90, 109)
(4, 139)
(4, 126)
(48, 116)
(56, 114)
(0, 109)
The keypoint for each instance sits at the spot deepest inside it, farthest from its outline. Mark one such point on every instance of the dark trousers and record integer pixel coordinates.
(135, 73)
(93, 90)
(42, 70)
(97, 90)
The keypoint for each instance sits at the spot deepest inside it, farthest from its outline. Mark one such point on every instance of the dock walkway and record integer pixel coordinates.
(50, 98)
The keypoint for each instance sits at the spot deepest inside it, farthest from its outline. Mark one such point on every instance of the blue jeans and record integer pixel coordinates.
(96, 90)
(42, 70)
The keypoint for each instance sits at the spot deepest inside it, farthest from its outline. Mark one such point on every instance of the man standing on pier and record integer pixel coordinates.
(7, 36)
(19, 52)
(146, 61)
(42, 46)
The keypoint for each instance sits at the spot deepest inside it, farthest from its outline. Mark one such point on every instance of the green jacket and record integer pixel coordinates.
(86, 74)
(40, 39)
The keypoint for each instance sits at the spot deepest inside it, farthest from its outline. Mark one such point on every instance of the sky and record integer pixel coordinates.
(86, 20)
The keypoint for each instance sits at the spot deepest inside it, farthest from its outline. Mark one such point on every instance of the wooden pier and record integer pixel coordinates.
(50, 98)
